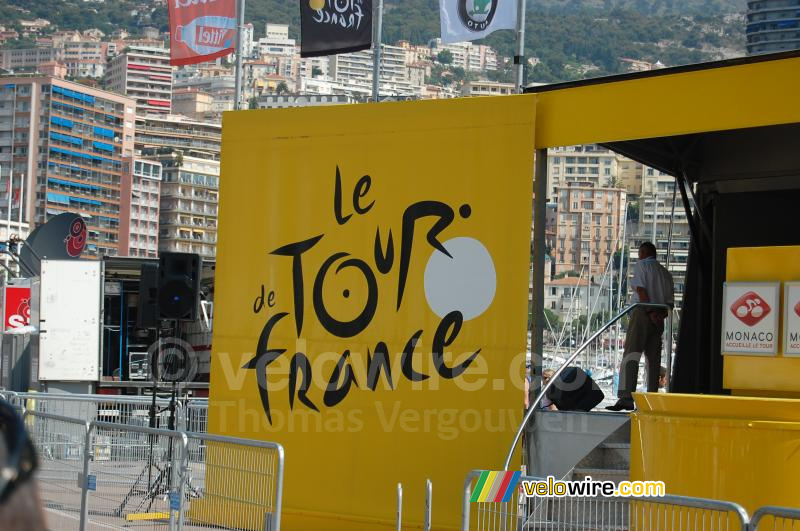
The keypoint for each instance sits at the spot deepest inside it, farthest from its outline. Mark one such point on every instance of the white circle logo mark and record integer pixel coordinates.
(465, 283)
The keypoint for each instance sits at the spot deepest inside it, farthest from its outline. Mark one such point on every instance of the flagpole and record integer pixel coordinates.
(8, 223)
(376, 52)
(519, 57)
(237, 105)
(21, 202)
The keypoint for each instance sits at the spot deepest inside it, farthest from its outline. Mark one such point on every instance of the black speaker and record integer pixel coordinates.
(179, 286)
(575, 391)
(147, 311)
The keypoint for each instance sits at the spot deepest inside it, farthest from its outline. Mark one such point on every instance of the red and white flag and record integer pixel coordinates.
(201, 30)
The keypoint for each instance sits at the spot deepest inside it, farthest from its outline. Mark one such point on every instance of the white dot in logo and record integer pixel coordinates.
(466, 282)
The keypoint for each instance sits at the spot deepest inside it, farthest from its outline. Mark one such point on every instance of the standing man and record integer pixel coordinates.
(652, 283)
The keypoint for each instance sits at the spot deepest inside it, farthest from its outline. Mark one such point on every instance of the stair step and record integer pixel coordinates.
(614, 455)
(615, 445)
(601, 474)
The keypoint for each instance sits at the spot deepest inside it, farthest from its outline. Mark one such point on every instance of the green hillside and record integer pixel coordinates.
(571, 38)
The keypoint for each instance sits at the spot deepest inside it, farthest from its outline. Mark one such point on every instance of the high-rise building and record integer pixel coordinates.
(582, 164)
(66, 143)
(189, 153)
(140, 224)
(772, 26)
(662, 220)
(189, 202)
(589, 226)
(144, 74)
(357, 66)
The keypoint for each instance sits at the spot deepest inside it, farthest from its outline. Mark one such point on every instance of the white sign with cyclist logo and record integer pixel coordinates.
(791, 319)
(750, 318)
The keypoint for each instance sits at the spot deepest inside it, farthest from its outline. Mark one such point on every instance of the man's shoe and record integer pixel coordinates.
(622, 405)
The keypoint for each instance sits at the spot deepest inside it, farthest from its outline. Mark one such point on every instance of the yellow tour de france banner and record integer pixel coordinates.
(371, 303)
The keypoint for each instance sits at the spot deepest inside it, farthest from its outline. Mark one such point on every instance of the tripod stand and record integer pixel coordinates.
(159, 477)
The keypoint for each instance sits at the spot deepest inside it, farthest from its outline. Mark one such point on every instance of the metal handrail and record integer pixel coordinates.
(569, 360)
(785, 513)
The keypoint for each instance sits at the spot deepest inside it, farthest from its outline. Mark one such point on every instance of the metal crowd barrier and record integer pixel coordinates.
(599, 513)
(128, 410)
(775, 518)
(96, 474)
(191, 414)
(253, 503)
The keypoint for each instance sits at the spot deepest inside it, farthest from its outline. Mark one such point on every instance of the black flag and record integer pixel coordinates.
(328, 27)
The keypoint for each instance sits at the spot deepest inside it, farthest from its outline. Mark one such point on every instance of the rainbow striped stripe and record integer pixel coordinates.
(495, 486)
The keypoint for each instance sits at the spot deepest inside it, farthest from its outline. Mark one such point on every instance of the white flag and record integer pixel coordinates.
(468, 20)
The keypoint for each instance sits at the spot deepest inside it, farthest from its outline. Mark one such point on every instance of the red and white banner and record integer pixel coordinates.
(201, 30)
(17, 311)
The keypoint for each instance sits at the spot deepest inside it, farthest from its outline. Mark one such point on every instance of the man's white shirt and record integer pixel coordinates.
(655, 279)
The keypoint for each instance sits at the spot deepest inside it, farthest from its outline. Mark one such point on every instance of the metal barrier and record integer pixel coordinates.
(599, 513)
(194, 416)
(109, 475)
(60, 443)
(129, 410)
(136, 473)
(682, 512)
(231, 482)
(775, 518)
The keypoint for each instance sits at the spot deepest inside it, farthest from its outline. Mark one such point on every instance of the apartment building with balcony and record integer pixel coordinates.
(581, 164)
(189, 153)
(357, 66)
(144, 74)
(140, 233)
(662, 220)
(65, 144)
(772, 26)
(589, 226)
(189, 203)
(467, 55)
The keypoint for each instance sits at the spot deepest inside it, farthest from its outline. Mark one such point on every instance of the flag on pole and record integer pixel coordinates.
(469, 20)
(201, 31)
(328, 27)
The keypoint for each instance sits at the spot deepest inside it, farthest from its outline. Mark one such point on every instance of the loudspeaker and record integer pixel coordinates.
(575, 391)
(178, 286)
(147, 311)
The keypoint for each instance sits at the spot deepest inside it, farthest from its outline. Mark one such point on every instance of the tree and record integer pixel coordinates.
(445, 57)
(281, 88)
(552, 318)
(316, 71)
(633, 211)
(252, 103)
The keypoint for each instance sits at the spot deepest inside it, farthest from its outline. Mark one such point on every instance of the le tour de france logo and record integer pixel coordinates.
(750, 308)
(476, 15)
(459, 284)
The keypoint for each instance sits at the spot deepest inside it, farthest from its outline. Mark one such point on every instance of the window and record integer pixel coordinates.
(607, 171)
(553, 304)
(575, 206)
(588, 205)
